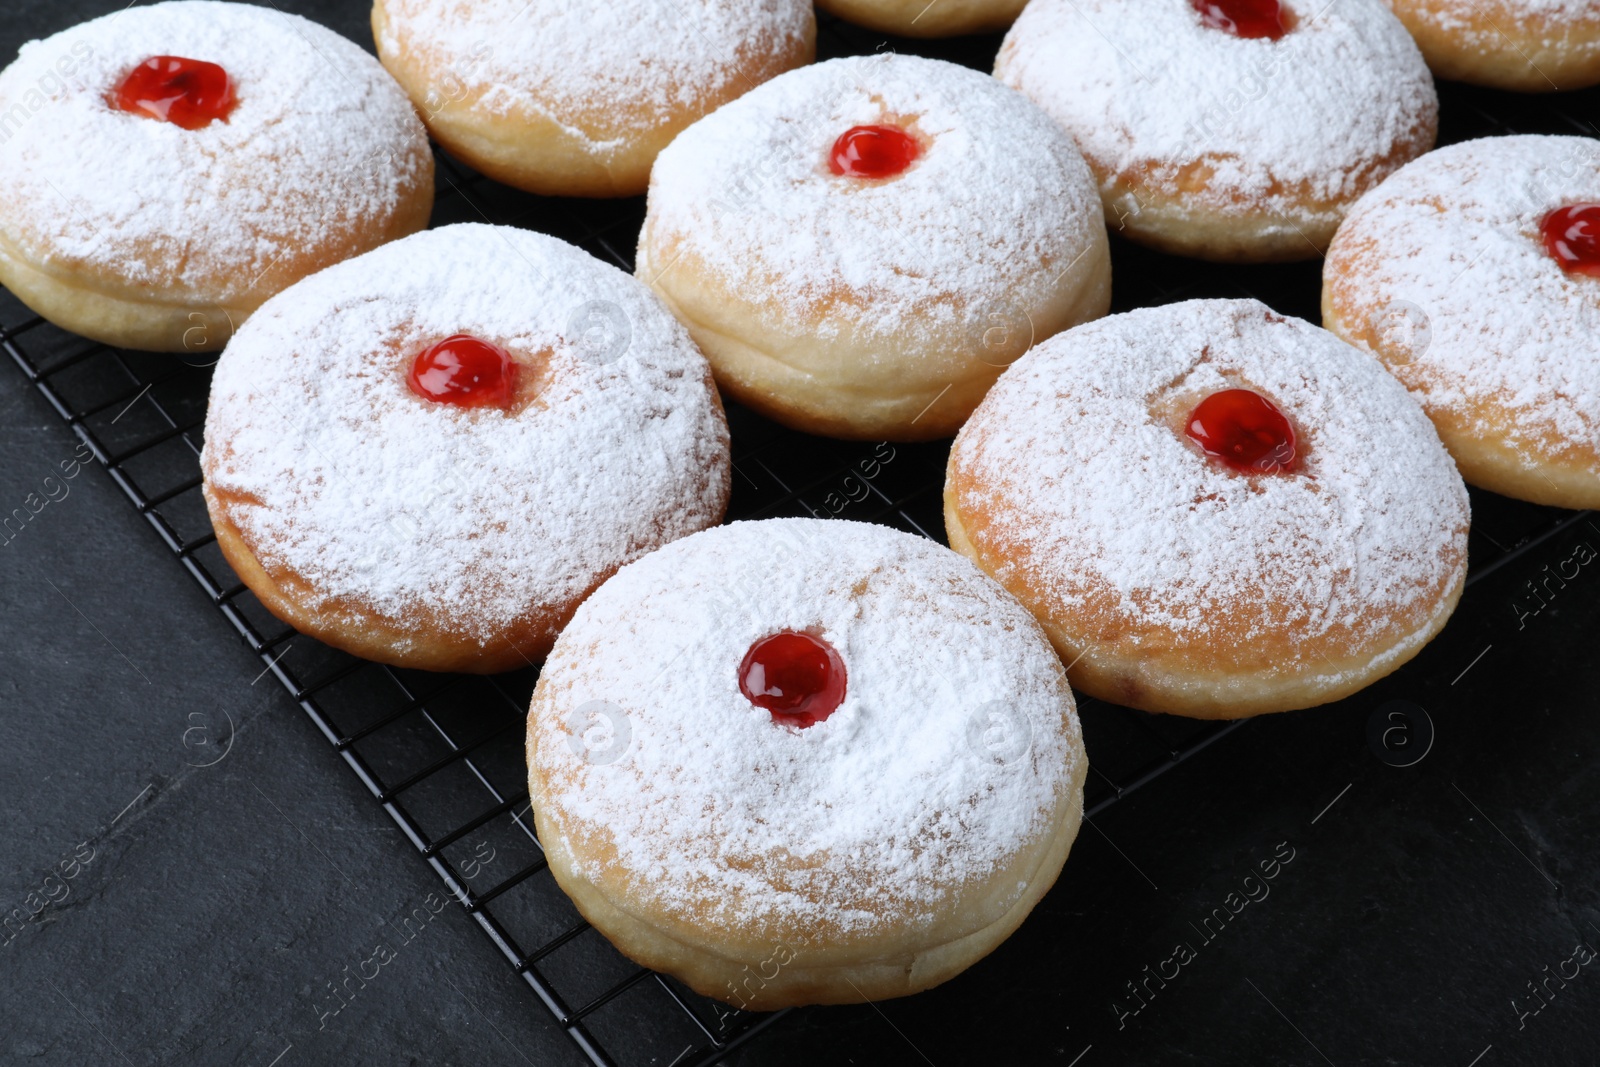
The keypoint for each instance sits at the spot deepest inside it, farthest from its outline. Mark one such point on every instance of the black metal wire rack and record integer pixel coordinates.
(442, 755)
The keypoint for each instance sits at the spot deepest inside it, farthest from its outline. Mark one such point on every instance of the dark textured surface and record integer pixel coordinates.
(220, 902)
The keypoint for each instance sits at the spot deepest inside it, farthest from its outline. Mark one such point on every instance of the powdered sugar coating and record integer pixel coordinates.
(622, 65)
(1105, 507)
(996, 207)
(1148, 91)
(1481, 27)
(1449, 251)
(375, 495)
(1566, 8)
(321, 144)
(879, 815)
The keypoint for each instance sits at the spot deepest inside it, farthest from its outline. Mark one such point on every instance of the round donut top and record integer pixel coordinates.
(1157, 98)
(1443, 270)
(321, 143)
(997, 204)
(955, 743)
(1091, 494)
(473, 518)
(600, 71)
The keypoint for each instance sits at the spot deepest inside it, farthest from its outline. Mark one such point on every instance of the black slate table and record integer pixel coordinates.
(1408, 877)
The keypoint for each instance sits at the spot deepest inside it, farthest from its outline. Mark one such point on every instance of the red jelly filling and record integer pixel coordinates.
(873, 152)
(1572, 237)
(185, 92)
(1245, 430)
(1244, 18)
(466, 372)
(798, 678)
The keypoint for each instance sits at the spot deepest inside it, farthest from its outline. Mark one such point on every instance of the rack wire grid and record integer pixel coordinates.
(442, 754)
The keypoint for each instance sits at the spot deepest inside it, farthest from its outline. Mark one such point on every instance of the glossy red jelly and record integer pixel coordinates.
(1245, 430)
(797, 678)
(1244, 18)
(466, 372)
(873, 152)
(1572, 237)
(185, 92)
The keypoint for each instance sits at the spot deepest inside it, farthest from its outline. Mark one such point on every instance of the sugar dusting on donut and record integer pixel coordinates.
(322, 141)
(1098, 493)
(617, 59)
(1148, 90)
(1443, 266)
(996, 207)
(373, 494)
(1477, 23)
(873, 817)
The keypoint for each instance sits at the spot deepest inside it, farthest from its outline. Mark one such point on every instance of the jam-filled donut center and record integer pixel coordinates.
(189, 93)
(466, 372)
(878, 151)
(1572, 238)
(797, 678)
(1244, 430)
(1250, 19)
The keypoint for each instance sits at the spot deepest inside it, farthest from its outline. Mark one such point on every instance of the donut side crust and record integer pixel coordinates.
(750, 971)
(870, 388)
(1201, 682)
(1503, 48)
(417, 642)
(100, 305)
(1174, 209)
(120, 320)
(536, 153)
(1562, 474)
(919, 18)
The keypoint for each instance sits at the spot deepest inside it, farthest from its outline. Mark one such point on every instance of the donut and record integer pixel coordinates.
(804, 761)
(1213, 510)
(1530, 46)
(1228, 130)
(576, 99)
(862, 246)
(922, 18)
(168, 168)
(429, 454)
(1474, 275)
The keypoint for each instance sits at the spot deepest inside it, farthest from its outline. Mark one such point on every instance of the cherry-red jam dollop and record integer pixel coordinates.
(797, 678)
(1572, 237)
(465, 371)
(873, 152)
(1244, 430)
(1244, 18)
(190, 93)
